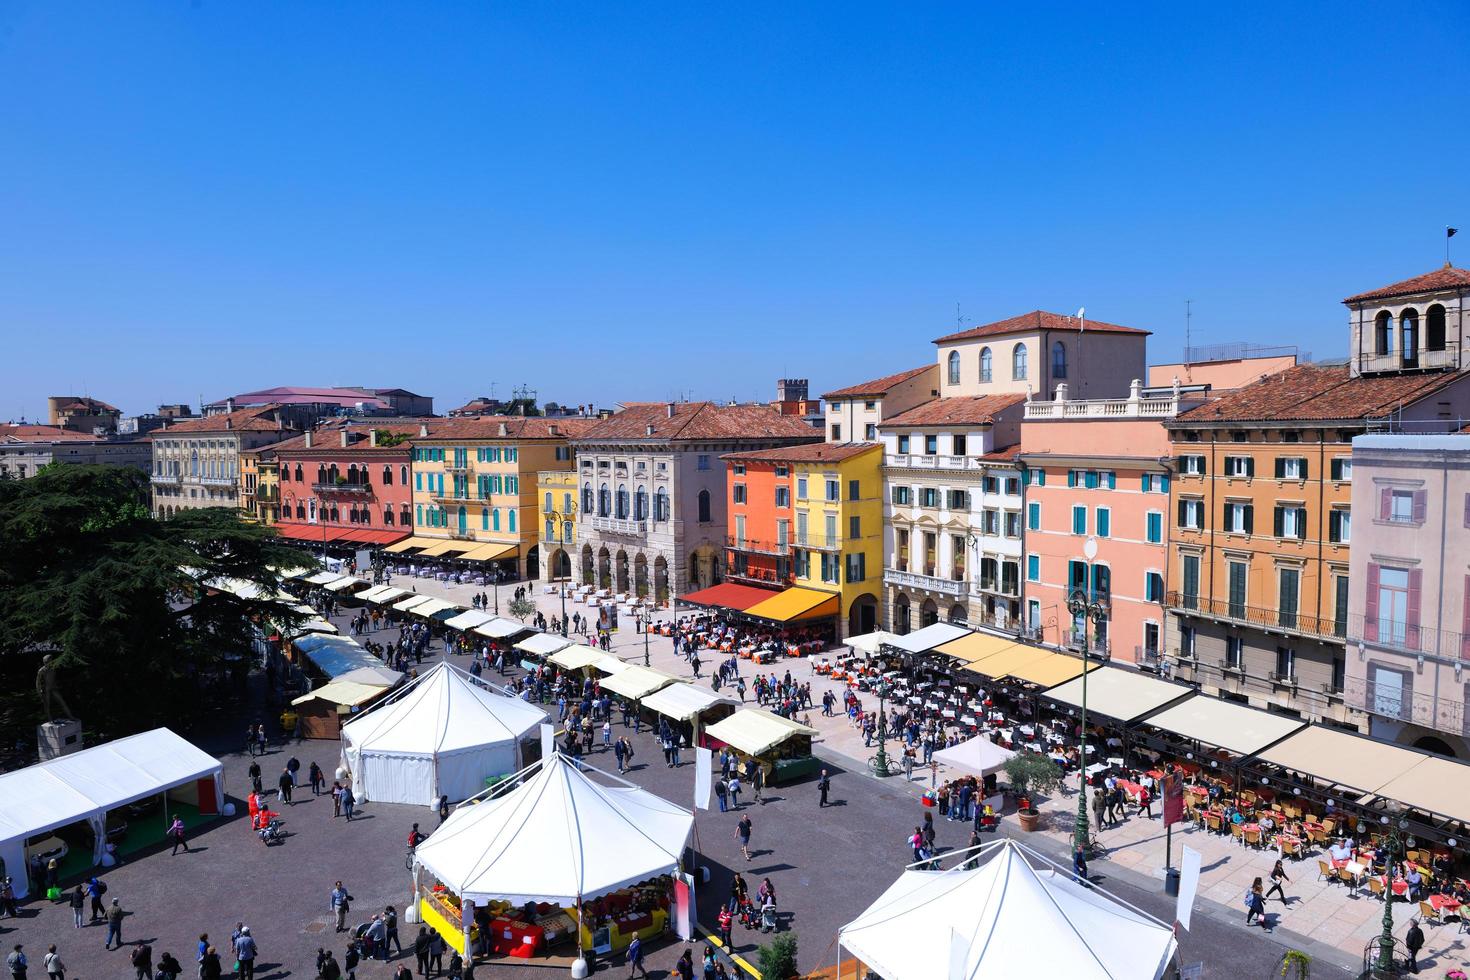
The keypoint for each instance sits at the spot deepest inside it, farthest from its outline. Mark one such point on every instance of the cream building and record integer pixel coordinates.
(1034, 352)
(196, 462)
(854, 413)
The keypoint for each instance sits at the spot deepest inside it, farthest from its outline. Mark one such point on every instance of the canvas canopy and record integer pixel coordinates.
(611, 665)
(1233, 727)
(490, 552)
(343, 692)
(979, 756)
(468, 620)
(384, 676)
(974, 647)
(1114, 692)
(335, 655)
(344, 584)
(575, 657)
(383, 594)
(322, 578)
(1003, 663)
(413, 599)
(931, 636)
(442, 735)
(1051, 670)
(637, 682)
(870, 642)
(558, 837)
(681, 701)
(1005, 919)
(411, 544)
(796, 604)
(308, 626)
(754, 732)
(433, 607)
(501, 629)
(87, 784)
(1436, 785)
(543, 644)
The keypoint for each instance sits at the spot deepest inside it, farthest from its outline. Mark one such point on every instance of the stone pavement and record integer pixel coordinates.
(1318, 916)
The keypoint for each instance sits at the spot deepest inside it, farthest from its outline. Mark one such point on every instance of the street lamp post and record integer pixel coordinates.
(879, 763)
(1089, 609)
(1393, 843)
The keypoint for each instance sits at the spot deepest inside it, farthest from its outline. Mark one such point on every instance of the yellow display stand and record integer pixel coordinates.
(620, 940)
(434, 917)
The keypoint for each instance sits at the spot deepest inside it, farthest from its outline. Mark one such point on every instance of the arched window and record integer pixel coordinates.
(1018, 362)
(387, 476)
(462, 518)
(704, 511)
(1434, 328)
(547, 508)
(1409, 336)
(352, 473)
(388, 514)
(335, 518)
(495, 519)
(586, 498)
(511, 514)
(661, 505)
(402, 477)
(954, 367)
(640, 504)
(484, 518)
(194, 462)
(321, 473)
(1058, 360)
(1383, 333)
(604, 501)
(985, 364)
(298, 472)
(622, 502)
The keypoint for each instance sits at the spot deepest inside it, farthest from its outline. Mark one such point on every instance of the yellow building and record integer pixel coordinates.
(475, 489)
(260, 495)
(557, 518)
(811, 516)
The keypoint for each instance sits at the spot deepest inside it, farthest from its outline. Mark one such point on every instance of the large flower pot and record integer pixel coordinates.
(1030, 819)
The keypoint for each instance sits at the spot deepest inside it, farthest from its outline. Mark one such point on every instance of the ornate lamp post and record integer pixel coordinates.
(1088, 609)
(1384, 965)
(879, 764)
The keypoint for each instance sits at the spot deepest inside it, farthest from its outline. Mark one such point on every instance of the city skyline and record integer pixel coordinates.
(598, 207)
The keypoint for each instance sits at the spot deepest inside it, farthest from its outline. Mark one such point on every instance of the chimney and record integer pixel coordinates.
(552, 430)
(308, 438)
(504, 430)
(229, 423)
(648, 430)
(229, 405)
(373, 438)
(343, 434)
(671, 409)
(423, 431)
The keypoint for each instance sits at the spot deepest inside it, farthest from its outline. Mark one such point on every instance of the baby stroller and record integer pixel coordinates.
(748, 916)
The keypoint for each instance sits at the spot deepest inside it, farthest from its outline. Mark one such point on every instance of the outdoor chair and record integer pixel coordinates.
(1429, 913)
(1327, 872)
(1237, 831)
(1376, 887)
(1252, 838)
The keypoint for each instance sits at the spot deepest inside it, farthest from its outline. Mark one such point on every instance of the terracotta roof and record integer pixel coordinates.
(1008, 454)
(25, 432)
(516, 427)
(813, 452)
(325, 438)
(1311, 392)
(1039, 320)
(881, 386)
(84, 402)
(688, 421)
(257, 418)
(1445, 277)
(966, 410)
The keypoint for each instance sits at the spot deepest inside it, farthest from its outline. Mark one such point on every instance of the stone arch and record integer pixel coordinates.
(559, 566)
(954, 367)
(1434, 328)
(1409, 335)
(589, 565)
(622, 571)
(928, 613)
(660, 580)
(902, 618)
(958, 614)
(1383, 333)
(640, 575)
(533, 562)
(862, 615)
(1435, 744)
(604, 568)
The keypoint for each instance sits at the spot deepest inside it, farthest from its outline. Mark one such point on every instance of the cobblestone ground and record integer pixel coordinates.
(827, 865)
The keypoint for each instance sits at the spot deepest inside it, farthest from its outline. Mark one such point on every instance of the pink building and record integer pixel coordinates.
(1098, 470)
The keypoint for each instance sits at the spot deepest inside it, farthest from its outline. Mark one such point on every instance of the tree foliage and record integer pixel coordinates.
(521, 608)
(1031, 773)
(119, 601)
(777, 959)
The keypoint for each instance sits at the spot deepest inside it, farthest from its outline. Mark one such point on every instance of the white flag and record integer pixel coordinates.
(703, 771)
(548, 740)
(1188, 884)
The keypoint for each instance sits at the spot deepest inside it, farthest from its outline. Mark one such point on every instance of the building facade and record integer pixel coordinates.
(652, 514)
(196, 462)
(25, 449)
(1408, 623)
(82, 414)
(855, 412)
(1097, 476)
(1419, 324)
(811, 516)
(345, 484)
(1035, 352)
(557, 518)
(952, 513)
(476, 481)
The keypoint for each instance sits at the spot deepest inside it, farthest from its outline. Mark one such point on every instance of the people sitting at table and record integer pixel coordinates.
(1341, 851)
(1415, 881)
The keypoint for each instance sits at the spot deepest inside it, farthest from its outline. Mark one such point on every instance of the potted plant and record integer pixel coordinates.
(1030, 774)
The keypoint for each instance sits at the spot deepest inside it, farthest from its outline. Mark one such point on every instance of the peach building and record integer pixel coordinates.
(1099, 471)
(1032, 353)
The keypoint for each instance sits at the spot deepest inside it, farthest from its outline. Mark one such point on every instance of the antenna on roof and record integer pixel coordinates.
(959, 319)
(1188, 315)
(1082, 316)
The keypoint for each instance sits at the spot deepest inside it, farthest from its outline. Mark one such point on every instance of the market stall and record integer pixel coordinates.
(542, 645)
(444, 733)
(322, 712)
(694, 707)
(780, 746)
(561, 861)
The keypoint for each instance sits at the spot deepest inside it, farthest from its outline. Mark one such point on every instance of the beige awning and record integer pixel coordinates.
(322, 578)
(575, 657)
(448, 548)
(1051, 670)
(433, 607)
(1233, 727)
(343, 584)
(1115, 692)
(1006, 661)
(495, 551)
(343, 692)
(1341, 758)
(410, 544)
(383, 594)
(973, 647)
(637, 682)
(1435, 785)
(543, 644)
(682, 701)
(413, 600)
(501, 629)
(755, 732)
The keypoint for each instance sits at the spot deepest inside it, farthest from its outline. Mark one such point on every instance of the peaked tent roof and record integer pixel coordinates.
(1010, 920)
(557, 837)
(443, 712)
(978, 756)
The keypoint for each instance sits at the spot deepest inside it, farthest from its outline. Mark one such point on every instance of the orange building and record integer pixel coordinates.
(758, 539)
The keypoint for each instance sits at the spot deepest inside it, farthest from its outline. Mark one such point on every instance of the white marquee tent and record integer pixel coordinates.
(1005, 919)
(557, 837)
(443, 734)
(87, 784)
(979, 756)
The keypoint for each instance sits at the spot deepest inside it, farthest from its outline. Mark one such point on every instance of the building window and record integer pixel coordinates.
(870, 432)
(1154, 527)
(1236, 576)
(857, 567)
(704, 507)
(1288, 596)
(1402, 506)
(783, 497)
(836, 432)
(1240, 466)
(1291, 522)
(1234, 653)
(1033, 568)
(1186, 642)
(901, 496)
(1153, 586)
(954, 367)
(985, 364)
(1033, 516)
(701, 462)
(1192, 465)
(1392, 609)
(1104, 522)
(854, 490)
(1058, 361)
(801, 488)
(737, 493)
(1018, 363)
(1191, 514)
(957, 444)
(931, 445)
(959, 500)
(1291, 468)
(1342, 468)
(834, 491)
(640, 504)
(903, 444)
(928, 497)
(1285, 663)
(1239, 517)
(661, 505)
(1079, 519)
(1013, 524)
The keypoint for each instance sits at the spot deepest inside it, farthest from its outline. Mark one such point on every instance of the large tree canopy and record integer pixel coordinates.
(121, 602)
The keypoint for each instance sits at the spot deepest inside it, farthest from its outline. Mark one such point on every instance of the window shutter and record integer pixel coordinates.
(1164, 484)
(1385, 503)
(1411, 630)
(1304, 465)
(1249, 519)
(1301, 523)
(1370, 607)
(1280, 467)
(1071, 478)
(1112, 480)
(1421, 505)
(1334, 525)
(1184, 503)
(1279, 518)
(1147, 482)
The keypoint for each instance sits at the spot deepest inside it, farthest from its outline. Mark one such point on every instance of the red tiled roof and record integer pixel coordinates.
(43, 433)
(881, 386)
(516, 427)
(85, 403)
(965, 410)
(812, 452)
(1007, 454)
(1311, 392)
(255, 419)
(1039, 320)
(1446, 277)
(328, 436)
(690, 421)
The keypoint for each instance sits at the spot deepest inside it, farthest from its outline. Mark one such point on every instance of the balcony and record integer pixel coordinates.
(349, 489)
(616, 525)
(929, 583)
(217, 481)
(760, 576)
(822, 542)
(1010, 589)
(1424, 360)
(1297, 623)
(1394, 702)
(1148, 657)
(1379, 633)
(169, 479)
(459, 535)
(755, 546)
(1072, 640)
(1137, 406)
(921, 461)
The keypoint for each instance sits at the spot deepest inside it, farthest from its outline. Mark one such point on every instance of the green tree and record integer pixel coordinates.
(121, 605)
(1031, 773)
(521, 608)
(777, 959)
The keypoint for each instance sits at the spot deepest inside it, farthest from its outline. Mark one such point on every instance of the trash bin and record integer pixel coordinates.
(1171, 881)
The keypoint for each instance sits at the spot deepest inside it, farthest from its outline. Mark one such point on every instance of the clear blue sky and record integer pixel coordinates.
(613, 201)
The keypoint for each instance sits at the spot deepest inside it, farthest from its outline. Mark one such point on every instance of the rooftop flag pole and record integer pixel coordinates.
(1448, 234)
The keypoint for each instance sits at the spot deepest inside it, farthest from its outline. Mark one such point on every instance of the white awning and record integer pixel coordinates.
(682, 701)
(979, 756)
(500, 629)
(574, 657)
(384, 594)
(468, 620)
(1120, 693)
(543, 644)
(870, 642)
(322, 578)
(1233, 727)
(344, 583)
(637, 682)
(929, 637)
(753, 731)
(413, 600)
(433, 607)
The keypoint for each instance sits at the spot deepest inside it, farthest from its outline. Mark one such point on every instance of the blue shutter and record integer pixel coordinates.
(1164, 483)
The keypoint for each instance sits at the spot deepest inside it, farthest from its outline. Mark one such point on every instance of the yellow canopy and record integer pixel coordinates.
(1007, 661)
(343, 692)
(794, 604)
(975, 646)
(1056, 668)
(444, 547)
(490, 552)
(754, 732)
(408, 544)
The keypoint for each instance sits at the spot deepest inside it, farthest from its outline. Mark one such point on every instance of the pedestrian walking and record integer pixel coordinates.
(168, 968)
(341, 904)
(443, 809)
(284, 783)
(209, 965)
(55, 969)
(1278, 875)
(17, 963)
(390, 926)
(142, 957)
(721, 792)
(757, 781)
(176, 834)
(1079, 864)
(317, 779)
(245, 953)
(436, 955)
(421, 951)
(742, 831)
(635, 958)
(336, 799)
(114, 925)
(349, 961)
(78, 904)
(1255, 904)
(95, 890)
(348, 802)
(735, 791)
(328, 968)
(1413, 942)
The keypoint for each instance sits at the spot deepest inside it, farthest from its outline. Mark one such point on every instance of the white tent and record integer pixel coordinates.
(501, 629)
(1005, 919)
(870, 642)
(543, 644)
(468, 620)
(979, 756)
(383, 594)
(87, 784)
(682, 702)
(557, 837)
(443, 734)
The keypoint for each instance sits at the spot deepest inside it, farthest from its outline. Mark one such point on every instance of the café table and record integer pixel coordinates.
(1028, 730)
(1445, 904)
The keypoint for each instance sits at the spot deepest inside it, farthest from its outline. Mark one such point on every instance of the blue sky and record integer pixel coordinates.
(610, 201)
